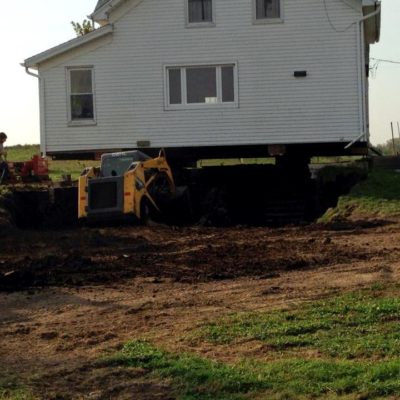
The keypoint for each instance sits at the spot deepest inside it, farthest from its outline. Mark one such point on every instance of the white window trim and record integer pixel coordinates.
(83, 122)
(192, 106)
(262, 21)
(199, 24)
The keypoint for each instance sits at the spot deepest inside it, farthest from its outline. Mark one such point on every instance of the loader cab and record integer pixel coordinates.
(116, 164)
(106, 191)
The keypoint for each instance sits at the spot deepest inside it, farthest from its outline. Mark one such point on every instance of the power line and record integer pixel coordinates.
(386, 61)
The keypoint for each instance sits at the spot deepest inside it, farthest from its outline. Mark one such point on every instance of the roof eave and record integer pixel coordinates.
(101, 14)
(34, 61)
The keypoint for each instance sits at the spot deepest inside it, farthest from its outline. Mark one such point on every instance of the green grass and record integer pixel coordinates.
(10, 389)
(348, 326)
(16, 394)
(235, 161)
(271, 160)
(57, 168)
(193, 377)
(346, 346)
(22, 152)
(335, 159)
(378, 195)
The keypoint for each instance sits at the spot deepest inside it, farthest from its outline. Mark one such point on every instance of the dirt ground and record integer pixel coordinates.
(69, 297)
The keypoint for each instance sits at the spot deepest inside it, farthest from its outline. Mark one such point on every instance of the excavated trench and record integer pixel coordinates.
(35, 207)
(254, 195)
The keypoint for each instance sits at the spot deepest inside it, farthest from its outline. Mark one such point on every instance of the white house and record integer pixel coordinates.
(211, 78)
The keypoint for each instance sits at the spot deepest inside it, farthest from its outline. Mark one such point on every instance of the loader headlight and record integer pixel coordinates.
(139, 185)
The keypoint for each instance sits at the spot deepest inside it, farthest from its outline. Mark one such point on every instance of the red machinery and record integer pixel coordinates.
(35, 170)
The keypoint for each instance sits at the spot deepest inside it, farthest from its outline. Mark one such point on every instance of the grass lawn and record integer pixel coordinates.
(57, 167)
(377, 196)
(11, 390)
(341, 347)
(16, 394)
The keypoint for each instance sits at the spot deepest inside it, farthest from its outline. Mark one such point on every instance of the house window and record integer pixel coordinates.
(267, 10)
(200, 11)
(81, 95)
(201, 85)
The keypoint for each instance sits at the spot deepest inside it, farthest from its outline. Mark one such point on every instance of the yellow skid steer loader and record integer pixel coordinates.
(126, 184)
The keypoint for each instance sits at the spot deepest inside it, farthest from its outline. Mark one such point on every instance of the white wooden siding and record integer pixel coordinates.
(274, 107)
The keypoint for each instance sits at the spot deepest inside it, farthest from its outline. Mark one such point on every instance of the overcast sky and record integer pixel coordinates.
(29, 27)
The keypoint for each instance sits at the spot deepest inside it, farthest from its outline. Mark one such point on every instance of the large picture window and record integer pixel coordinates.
(267, 10)
(201, 85)
(81, 95)
(200, 11)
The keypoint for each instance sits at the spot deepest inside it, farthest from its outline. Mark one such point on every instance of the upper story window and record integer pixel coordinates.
(200, 12)
(81, 95)
(200, 85)
(267, 10)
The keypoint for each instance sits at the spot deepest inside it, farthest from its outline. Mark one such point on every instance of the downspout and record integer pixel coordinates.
(361, 67)
(29, 72)
(41, 109)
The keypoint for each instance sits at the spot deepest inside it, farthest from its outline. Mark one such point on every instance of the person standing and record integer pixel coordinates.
(3, 158)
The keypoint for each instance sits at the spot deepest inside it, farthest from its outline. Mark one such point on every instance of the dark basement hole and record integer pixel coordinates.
(246, 195)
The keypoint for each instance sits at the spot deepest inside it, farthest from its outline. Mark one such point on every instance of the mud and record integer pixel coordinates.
(70, 297)
(71, 294)
(111, 255)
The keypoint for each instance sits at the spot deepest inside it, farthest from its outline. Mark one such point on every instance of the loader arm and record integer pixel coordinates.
(87, 174)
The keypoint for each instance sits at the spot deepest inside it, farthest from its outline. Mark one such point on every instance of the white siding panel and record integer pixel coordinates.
(274, 107)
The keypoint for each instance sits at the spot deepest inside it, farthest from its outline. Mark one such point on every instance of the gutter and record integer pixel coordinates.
(376, 12)
(41, 109)
(29, 72)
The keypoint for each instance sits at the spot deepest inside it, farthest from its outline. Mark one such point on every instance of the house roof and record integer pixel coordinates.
(103, 8)
(37, 59)
(100, 3)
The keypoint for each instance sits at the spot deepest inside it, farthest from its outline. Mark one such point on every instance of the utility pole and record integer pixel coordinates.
(394, 146)
(398, 128)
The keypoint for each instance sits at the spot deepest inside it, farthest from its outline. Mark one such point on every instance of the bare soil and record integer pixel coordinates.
(69, 297)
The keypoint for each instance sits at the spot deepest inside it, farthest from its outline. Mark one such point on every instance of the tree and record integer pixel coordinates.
(388, 149)
(84, 28)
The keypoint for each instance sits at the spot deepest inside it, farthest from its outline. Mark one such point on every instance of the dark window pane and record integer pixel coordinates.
(81, 81)
(82, 106)
(175, 92)
(268, 9)
(228, 90)
(200, 10)
(201, 84)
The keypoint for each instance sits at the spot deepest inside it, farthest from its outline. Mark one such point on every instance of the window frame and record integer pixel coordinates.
(80, 122)
(190, 106)
(262, 21)
(205, 24)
